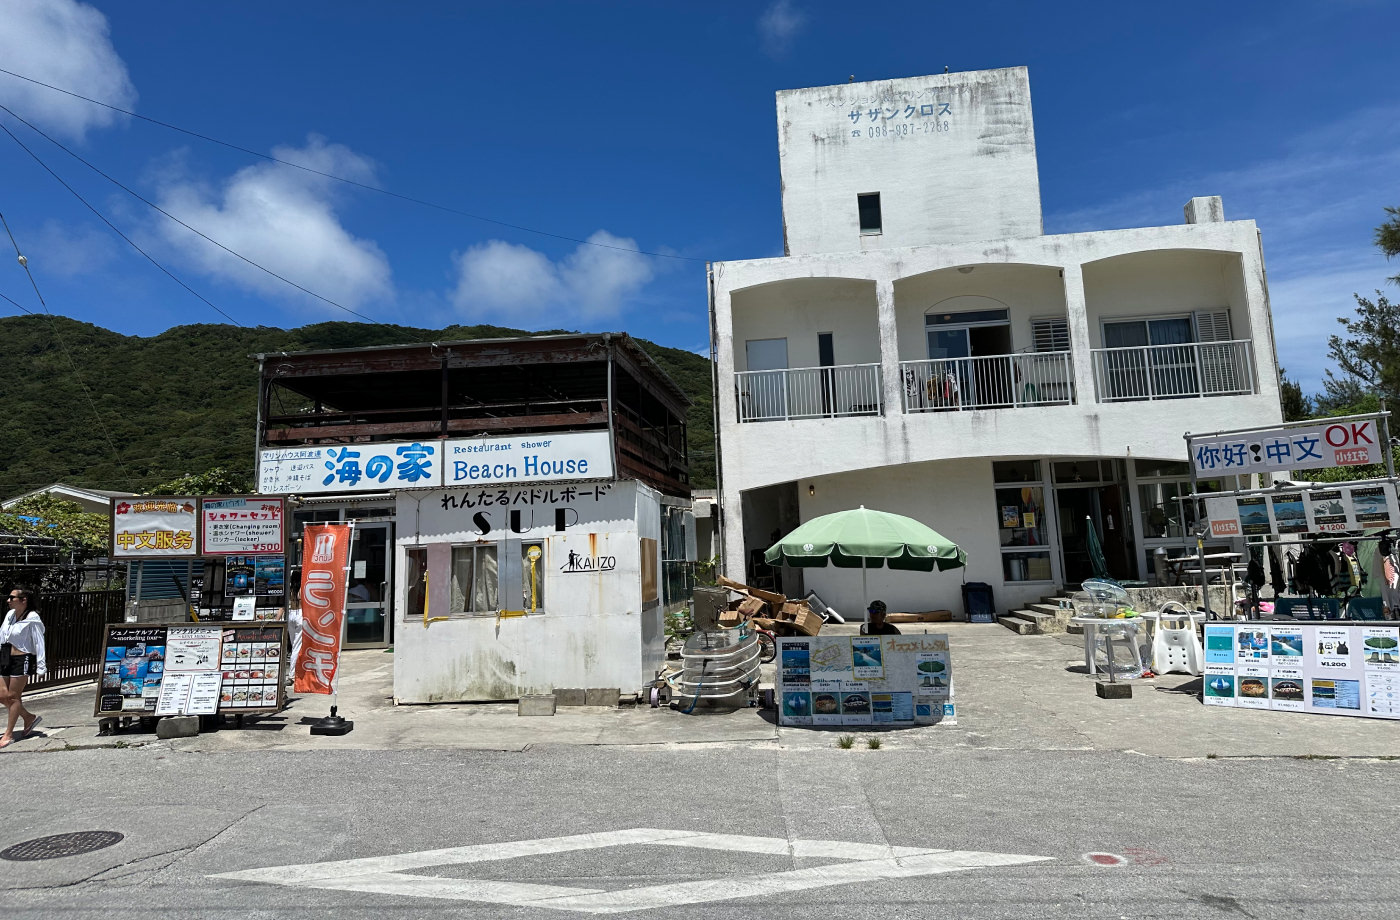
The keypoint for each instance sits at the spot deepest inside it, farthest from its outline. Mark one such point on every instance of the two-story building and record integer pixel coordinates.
(924, 347)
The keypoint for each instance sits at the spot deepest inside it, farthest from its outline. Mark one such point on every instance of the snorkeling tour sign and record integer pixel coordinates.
(575, 455)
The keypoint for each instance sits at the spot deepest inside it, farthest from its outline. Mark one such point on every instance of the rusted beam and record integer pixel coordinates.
(430, 428)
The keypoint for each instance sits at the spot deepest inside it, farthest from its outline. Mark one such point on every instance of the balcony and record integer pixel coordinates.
(1174, 371)
(809, 392)
(988, 382)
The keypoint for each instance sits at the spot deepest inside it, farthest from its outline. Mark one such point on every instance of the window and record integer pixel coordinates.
(1050, 334)
(869, 206)
(1015, 470)
(532, 567)
(474, 579)
(415, 582)
(1022, 533)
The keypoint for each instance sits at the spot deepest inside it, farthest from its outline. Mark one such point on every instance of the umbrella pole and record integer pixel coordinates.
(864, 593)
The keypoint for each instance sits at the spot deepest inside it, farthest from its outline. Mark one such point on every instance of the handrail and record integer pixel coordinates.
(809, 392)
(1189, 369)
(1043, 378)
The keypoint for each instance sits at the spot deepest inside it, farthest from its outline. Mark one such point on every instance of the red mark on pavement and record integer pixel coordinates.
(1111, 860)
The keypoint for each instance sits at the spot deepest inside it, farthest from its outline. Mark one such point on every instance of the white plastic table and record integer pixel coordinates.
(1123, 631)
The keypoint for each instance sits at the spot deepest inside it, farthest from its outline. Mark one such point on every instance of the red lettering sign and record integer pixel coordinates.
(1225, 528)
(322, 607)
(1352, 456)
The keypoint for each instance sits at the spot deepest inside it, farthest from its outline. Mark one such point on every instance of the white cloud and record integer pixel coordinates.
(504, 281)
(65, 44)
(779, 25)
(284, 219)
(1317, 198)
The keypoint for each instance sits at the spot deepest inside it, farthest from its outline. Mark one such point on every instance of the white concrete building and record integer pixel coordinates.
(923, 347)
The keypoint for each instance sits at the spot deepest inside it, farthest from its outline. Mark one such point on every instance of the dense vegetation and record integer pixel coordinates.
(90, 407)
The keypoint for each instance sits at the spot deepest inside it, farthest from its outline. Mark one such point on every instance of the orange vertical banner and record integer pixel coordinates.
(325, 557)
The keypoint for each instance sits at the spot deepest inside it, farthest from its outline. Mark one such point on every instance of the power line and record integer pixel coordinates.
(177, 220)
(382, 191)
(53, 325)
(115, 230)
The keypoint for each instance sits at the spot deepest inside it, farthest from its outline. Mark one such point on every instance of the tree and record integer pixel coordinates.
(1388, 237)
(216, 481)
(1296, 406)
(1368, 354)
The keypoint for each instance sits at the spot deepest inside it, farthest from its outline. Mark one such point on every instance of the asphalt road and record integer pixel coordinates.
(731, 830)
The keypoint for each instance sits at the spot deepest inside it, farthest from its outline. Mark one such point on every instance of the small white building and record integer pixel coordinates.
(923, 347)
(530, 607)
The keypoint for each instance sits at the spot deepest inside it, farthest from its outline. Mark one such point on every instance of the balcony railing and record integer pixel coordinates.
(988, 382)
(1174, 371)
(809, 392)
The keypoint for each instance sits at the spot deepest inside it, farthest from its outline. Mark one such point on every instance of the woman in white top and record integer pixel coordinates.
(21, 657)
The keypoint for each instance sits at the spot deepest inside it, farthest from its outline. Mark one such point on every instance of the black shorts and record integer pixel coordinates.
(19, 665)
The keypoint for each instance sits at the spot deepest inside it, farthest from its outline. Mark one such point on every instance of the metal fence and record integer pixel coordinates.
(809, 392)
(74, 623)
(988, 382)
(1174, 371)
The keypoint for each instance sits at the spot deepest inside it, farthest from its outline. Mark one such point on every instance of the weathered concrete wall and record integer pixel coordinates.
(952, 156)
(592, 631)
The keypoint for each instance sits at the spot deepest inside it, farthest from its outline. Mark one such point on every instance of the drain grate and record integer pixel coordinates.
(60, 845)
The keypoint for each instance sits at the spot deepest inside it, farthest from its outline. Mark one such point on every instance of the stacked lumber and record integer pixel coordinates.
(768, 610)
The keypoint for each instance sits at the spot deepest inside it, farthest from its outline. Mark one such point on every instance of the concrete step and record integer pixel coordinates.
(1019, 625)
(1048, 620)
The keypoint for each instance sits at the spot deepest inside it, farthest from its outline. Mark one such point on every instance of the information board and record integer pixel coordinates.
(1294, 511)
(1342, 669)
(191, 669)
(238, 526)
(865, 680)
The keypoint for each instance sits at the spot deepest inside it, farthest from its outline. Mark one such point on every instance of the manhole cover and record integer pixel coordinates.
(60, 845)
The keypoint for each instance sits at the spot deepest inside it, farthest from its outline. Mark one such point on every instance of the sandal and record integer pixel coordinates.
(6, 742)
(29, 729)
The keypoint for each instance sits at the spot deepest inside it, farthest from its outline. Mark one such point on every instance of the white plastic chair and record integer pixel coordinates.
(1176, 649)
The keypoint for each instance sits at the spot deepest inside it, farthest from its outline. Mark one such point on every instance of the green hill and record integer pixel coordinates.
(91, 407)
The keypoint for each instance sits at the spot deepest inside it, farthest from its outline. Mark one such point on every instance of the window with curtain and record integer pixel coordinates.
(475, 580)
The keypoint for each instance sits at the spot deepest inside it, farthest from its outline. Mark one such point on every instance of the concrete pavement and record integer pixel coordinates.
(1014, 693)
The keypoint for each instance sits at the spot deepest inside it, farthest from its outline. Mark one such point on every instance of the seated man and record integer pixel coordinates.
(875, 624)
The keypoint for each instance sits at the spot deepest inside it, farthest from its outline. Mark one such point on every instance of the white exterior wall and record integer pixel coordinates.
(972, 177)
(1026, 291)
(799, 309)
(593, 632)
(1165, 283)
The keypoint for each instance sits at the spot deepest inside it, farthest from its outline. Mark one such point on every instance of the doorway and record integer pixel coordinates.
(369, 587)
(1103, 506)
(764, 389)
(955, 341)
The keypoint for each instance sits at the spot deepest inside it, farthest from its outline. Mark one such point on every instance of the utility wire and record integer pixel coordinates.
(115, 230)
(177, 220)
(362, 185)
(17, 303)
(53, 325)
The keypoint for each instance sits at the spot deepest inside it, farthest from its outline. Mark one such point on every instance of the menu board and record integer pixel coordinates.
(253, 668)
(191, 670)
(865, 680)
(1345, 669)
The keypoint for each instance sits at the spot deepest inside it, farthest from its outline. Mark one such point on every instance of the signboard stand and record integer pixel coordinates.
(153, 670)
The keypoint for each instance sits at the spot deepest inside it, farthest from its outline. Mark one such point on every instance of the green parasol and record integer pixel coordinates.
(1095, 548)
(864, 538)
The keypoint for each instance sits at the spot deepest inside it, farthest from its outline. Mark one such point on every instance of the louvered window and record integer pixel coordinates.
(1051, 334)
(1224, 368)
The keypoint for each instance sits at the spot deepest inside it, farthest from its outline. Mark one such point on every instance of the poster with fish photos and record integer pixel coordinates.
(865, 680)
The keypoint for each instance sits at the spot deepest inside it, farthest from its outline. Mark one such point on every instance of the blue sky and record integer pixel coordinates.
(647, 126)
